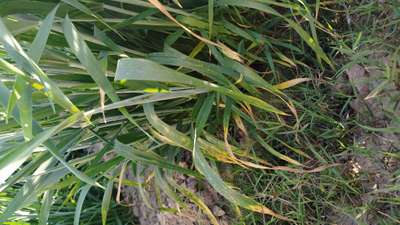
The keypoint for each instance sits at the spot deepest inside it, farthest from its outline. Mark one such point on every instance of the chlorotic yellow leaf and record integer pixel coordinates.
(291, 83)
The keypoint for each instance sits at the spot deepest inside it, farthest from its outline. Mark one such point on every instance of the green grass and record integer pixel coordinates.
(330, 128)
(244, 86)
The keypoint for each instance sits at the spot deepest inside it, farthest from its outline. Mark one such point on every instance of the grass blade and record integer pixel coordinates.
(45, 208)
(23, 93)
(265, 8)
(222, 188)
(81, 7)
(30, 190)
(166, 188)
(22, 89)
(146, 70)
(140, 16)
(276, 153)
(193, 197)
(148, 98)
(38, 45)
(225, 49)
(105, 204)
(170, 135)
(16, 52)
(210, 17)
(291, 83)
(79, 204)
(204, 113)
(93, 66)
(102, 36)
(149, 158)
(17, 156)
(83, 177)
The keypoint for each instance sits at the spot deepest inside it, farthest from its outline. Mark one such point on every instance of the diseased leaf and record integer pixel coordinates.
(222, 188)
(193, 197)
(291, 83)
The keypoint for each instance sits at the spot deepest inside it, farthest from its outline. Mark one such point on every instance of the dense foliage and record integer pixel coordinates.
(91, 88)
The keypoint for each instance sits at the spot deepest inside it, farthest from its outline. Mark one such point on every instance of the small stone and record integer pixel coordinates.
(217, 211)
